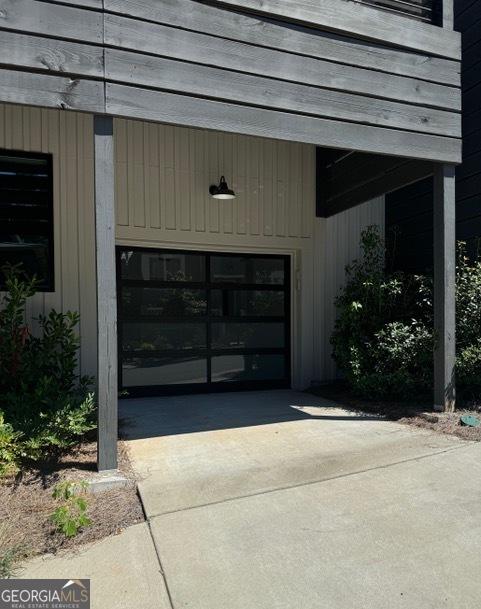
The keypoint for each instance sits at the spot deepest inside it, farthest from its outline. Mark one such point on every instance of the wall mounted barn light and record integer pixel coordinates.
(222, 191)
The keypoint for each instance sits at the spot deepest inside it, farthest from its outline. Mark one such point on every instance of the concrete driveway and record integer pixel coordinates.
(280, 500)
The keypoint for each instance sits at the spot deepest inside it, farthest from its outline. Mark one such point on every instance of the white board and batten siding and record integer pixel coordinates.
(163, 175)
(68, 136)
(336, 244)
(163, 178)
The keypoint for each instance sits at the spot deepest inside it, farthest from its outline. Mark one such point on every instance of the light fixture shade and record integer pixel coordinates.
(222, 191)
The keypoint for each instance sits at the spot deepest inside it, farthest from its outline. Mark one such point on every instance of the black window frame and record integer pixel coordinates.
(209, 386)
(49, 285)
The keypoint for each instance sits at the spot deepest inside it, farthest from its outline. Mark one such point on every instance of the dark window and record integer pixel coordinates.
(26, 215)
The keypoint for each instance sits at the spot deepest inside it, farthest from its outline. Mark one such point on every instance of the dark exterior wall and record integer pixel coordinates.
(409, 210)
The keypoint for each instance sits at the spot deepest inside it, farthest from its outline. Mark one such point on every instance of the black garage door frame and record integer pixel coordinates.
(209, 319)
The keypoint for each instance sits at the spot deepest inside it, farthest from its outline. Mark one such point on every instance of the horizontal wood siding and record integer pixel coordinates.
(422, 10)
(292, 77)
(409, 212)
(356, 19)
(68, 137)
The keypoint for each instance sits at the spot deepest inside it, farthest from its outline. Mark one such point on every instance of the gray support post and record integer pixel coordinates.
(444, 287)
(448, 14)
(107, 392)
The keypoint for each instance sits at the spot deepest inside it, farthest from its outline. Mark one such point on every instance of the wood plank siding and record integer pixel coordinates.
(333, 73)
(409, 211)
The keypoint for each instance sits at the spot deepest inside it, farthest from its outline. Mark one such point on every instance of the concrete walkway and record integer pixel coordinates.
(278, 500)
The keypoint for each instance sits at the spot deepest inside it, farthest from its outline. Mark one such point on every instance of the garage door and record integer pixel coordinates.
(202, 321)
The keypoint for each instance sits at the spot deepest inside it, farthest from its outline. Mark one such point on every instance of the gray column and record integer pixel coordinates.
(107, 391)
(448, 14)
(444, 287)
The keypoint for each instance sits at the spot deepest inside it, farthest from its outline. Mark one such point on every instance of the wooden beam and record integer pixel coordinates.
(444, 287)
(276, 64)
(61, 56)
(51, 91)
(225, 26)
(107, 388)
(354, 19)
(234, 118)
(51, 19)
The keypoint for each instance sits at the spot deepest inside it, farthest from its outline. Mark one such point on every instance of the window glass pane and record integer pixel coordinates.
(238, 269)
(26, 225)
(234, 335)
(228, 368)
(165, 336)
(163, 302)
(162, 266)
(151, 371)
(242, 303)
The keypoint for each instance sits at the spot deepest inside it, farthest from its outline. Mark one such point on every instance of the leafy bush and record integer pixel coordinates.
(71, 515)
(383, 339)
(46, 406)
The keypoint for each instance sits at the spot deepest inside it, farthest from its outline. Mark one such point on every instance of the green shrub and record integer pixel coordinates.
(46, 406)
(383, 339)
(9, 447)
(71, 516)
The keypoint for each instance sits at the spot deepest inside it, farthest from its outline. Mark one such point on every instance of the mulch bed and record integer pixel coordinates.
(419, 414)
(26, 505)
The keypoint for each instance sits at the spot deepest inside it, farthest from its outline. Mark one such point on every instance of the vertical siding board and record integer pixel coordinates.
(239, 185)
(68, 205)
(282, 171)
(227, 170)
(169, 178)
(200, 187)
(153, 198)
(268, 184)
(147, 127)
(121, 181)
(308, 193)
(294, 189)
(212, 151)
(182, 177)
(137, 183)
(253, 185)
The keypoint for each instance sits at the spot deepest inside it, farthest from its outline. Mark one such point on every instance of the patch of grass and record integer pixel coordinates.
(10, 555)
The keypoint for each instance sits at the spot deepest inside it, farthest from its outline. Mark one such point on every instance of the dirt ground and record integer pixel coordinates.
(419, 414)
(26, 504)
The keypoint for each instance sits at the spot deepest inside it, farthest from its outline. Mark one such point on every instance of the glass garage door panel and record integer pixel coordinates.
(163, 302)
(253, 335)
(138, 336)
(247, 303)
(196, 321)
(254, 367)
(152, 265)
(158, 371)
(247, 269)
